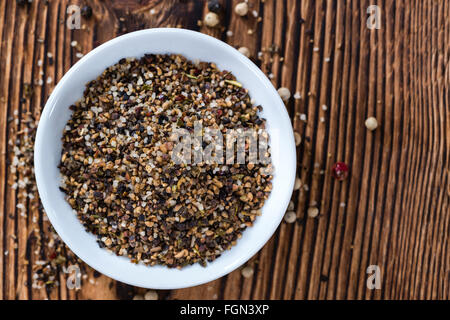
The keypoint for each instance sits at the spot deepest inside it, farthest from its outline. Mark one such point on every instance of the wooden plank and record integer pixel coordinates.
(3, 139)
(12, 80)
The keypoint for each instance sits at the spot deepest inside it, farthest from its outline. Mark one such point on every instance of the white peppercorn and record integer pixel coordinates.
(371, 123)
(313, 212)
(298, 184)
(284, 93)
(151, 295)
(241, 9)
(211, 19)
(298, 138)
(291, 206)
(247, 272)
(290, 217)
(244, 51)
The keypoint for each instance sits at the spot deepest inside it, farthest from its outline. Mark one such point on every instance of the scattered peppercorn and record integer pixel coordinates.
(211, 19)
(291, 206)
(284, 93)
(245, 51)
(247, 272)
(297, 184)
(86, 12)
(290, 217)
(151, 295)
(340, 171)
(241, 9)
(214, 6)
(371, 123)
(298, 138)
(313, 212)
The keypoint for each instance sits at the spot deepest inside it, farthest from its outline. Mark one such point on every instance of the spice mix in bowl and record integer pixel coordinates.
(121, 168)
(134, 145)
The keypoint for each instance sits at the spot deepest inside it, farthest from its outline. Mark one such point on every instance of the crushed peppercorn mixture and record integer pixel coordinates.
(117, 169)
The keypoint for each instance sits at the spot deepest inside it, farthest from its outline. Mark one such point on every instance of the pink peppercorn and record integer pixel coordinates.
(340, 171)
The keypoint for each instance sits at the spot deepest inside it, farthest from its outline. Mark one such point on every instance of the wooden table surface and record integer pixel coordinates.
(393, 210)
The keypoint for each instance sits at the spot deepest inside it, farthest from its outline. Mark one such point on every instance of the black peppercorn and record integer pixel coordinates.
(214, 6)
(86, 12)
(98, 195)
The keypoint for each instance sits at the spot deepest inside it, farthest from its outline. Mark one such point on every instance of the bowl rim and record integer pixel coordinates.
(47, 201)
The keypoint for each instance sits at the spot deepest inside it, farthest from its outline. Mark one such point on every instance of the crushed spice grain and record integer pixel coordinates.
(119, 177)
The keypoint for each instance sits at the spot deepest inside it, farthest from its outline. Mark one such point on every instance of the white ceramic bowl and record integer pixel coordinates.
(192, 45)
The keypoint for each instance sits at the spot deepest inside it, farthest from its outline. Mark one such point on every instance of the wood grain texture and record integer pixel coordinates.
(393, 210)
